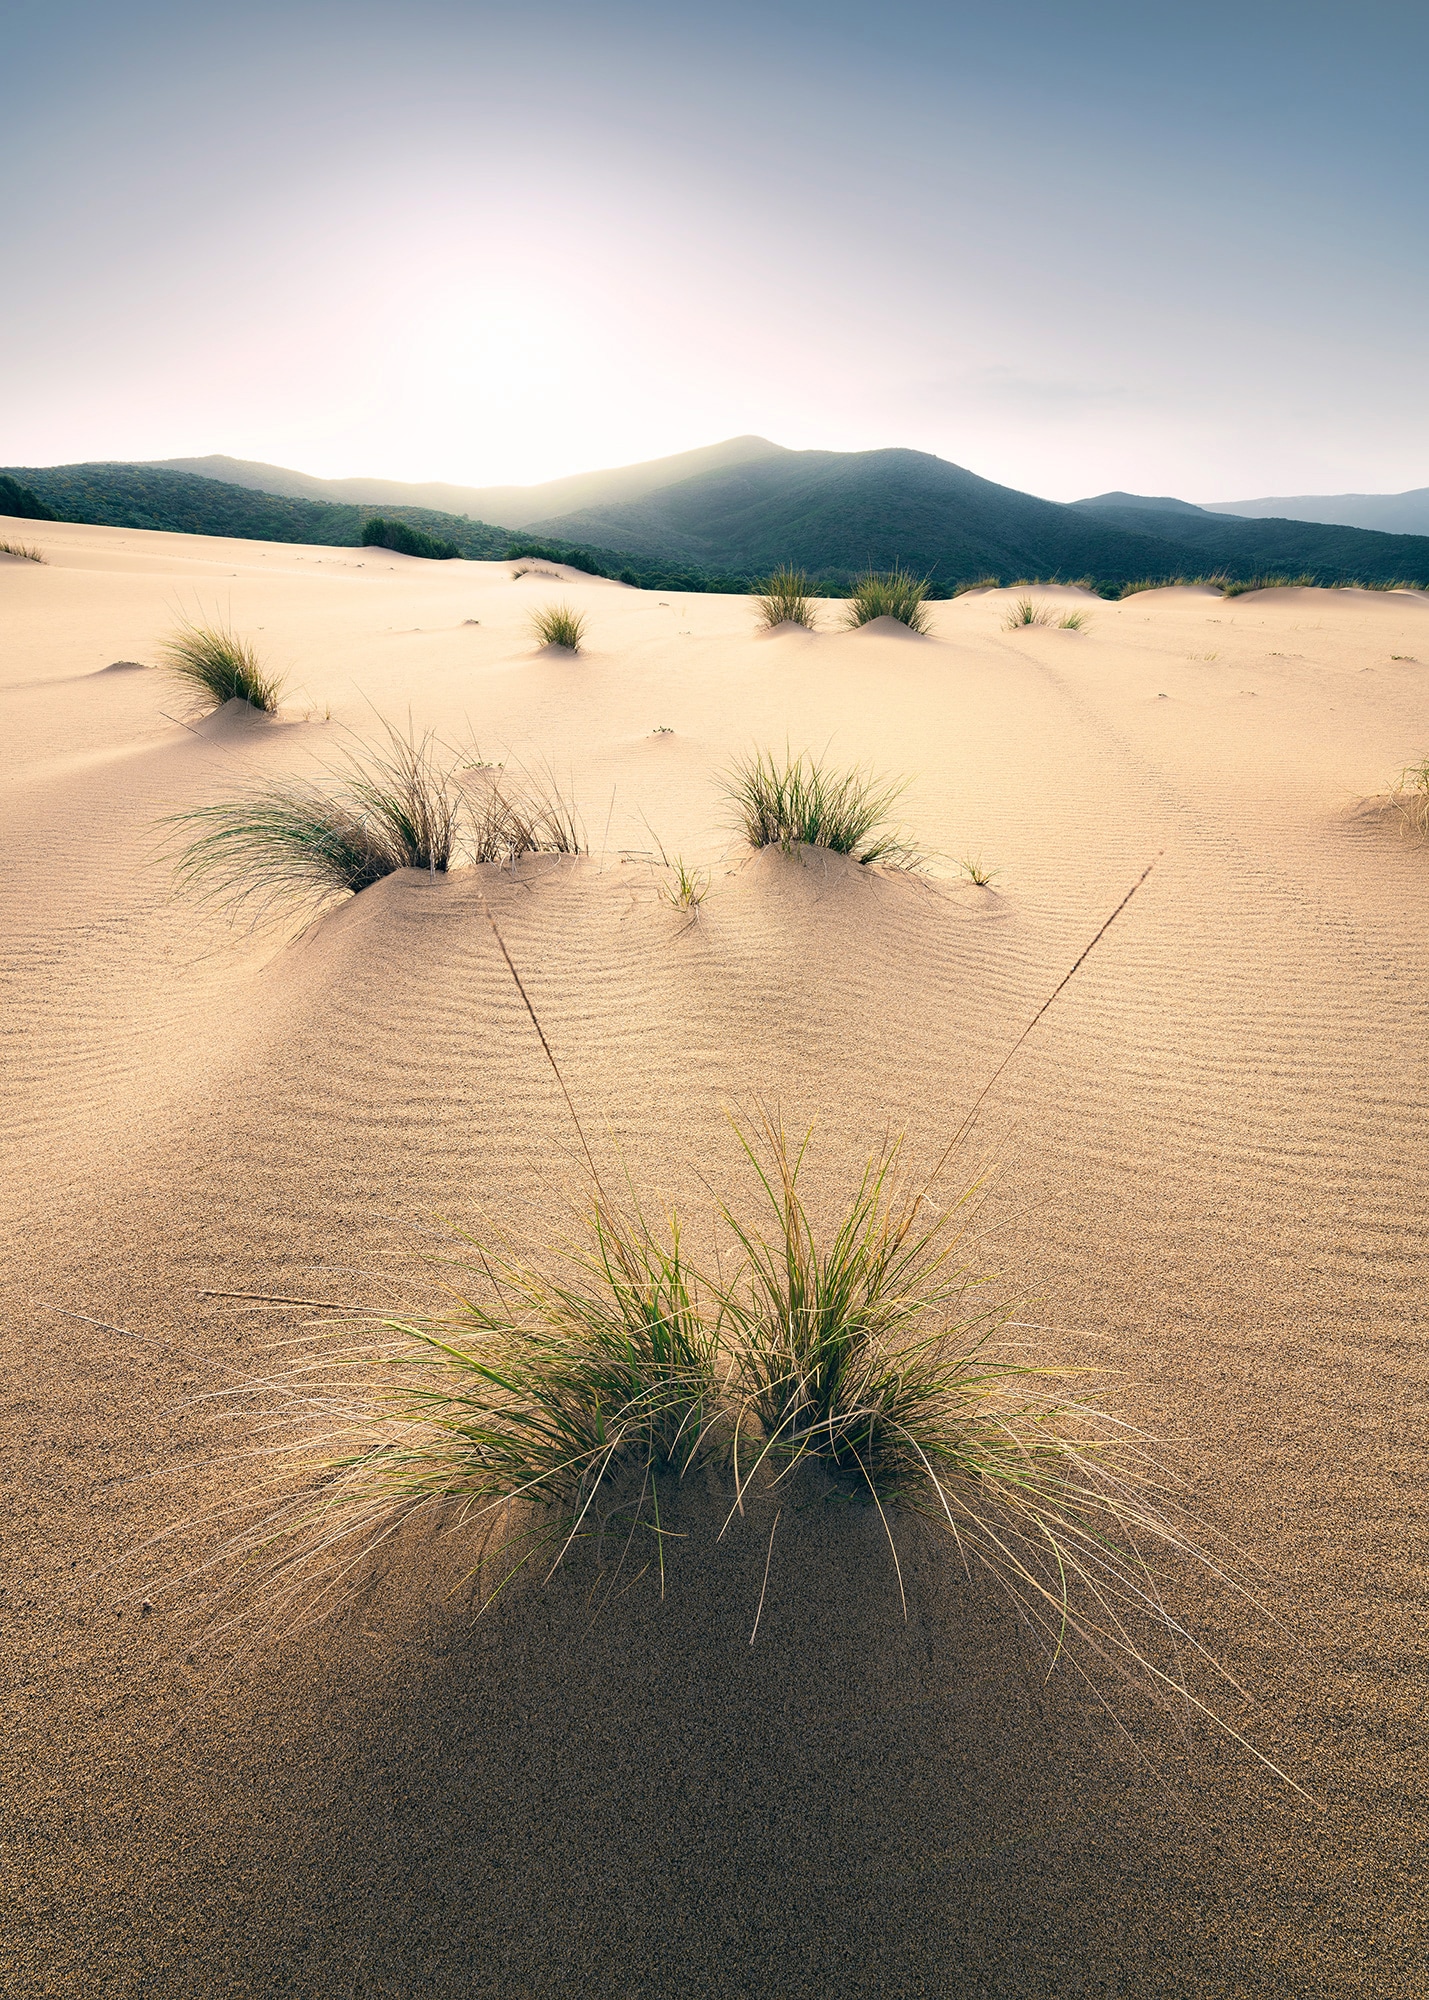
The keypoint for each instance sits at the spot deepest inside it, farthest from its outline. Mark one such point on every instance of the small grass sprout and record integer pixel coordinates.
(684, 888)
(27, 551)
(213, 662)
(981, 877)
(894, 593)
(801, 802)
(297, 841)
(784, 598)
(1072, 621)
(559, 625)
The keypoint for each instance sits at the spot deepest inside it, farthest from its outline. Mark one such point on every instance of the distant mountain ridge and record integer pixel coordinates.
(1386, 513)
(722, 517)
(506, 506)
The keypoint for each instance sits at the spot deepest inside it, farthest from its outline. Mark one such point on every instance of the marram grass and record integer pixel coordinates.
(801, 802)
(785, 599)
(894, 593)
(559, 625)
(27, 551)
(213, 662)
(562, 1398)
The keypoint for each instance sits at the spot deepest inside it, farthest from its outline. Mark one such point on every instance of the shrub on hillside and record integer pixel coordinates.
(407, 541)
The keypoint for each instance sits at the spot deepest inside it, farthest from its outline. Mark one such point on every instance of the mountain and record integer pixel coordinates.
(750, 506)
(510, 506)
(836, 513)
(1390, 513)
(1243, 548)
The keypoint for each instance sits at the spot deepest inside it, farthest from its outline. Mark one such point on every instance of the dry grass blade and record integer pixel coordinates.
(802, 802)
(894, 593)
(216, 664)
(1410, 795)
(684, 888)
(1026, 612)
(27, 551)
(559, 625)
(784, 599)
(510, 814)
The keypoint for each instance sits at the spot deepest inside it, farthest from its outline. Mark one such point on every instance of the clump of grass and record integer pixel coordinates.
(216, 664)
(1240, 587)
(1072, 621)
(801, 802)
(1410, 795)
(894, 593)
(289, 841)
(784, 598)
(559, 625)
(1026, 612)
(684, 888)
(511, 814)
(983, 878)
(977, 583)
(26, 550)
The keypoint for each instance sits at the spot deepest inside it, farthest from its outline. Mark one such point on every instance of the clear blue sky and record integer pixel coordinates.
(1173, 248)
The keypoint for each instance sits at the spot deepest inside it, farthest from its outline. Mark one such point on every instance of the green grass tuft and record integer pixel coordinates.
(1072, 621)
(803, 803)
(506, 815)
(894, 593)
(26, 550)
(1239, 588)
(559, 625)
(1026, 612)
(982, 877)
(784, 598)
(684, 888)
(293, 841)
(1411, 795)
(215, 663)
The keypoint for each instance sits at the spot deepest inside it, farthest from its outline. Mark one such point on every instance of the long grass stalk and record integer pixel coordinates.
(219, 666)
(800, 801)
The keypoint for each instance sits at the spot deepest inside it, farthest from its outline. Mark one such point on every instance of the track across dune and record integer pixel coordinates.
(1202, 1174)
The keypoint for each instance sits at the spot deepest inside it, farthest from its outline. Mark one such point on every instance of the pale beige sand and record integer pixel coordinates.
(1209, 1169)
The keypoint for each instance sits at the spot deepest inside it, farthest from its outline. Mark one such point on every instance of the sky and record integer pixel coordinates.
(1168, 248)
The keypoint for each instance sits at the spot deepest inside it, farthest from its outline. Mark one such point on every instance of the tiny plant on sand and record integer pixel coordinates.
(381, 807)
(801, 802)
(216, 664)
(1072, 621)
(977, 874)
(894, 593)
(26, 550)
(784, 599)
(684, 888)
(559, 625)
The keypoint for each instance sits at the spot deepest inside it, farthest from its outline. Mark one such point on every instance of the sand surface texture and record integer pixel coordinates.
(1207, 1168)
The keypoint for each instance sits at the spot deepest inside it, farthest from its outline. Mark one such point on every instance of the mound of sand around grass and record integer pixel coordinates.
(1203, 1176)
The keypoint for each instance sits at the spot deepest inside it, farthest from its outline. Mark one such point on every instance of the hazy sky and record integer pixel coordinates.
(1173, 248)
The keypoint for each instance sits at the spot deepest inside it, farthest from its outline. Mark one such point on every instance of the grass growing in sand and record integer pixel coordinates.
(25, 550)
(1233, 588)
(506, 815)
(1410, 795)
(216, 664)
(381, 807)
(784, 598)
(894, 593)
(977, 874)
(564, 1398)
(559, 625)
(1026, 612)
(1072, 621)
(684, 888)
(803, 803)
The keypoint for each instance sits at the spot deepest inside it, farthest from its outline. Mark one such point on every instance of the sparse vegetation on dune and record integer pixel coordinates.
(1026, 612)
(559, 625)
(295, 841)
(801, 802)
(1410, 795)
(894, 593)
(506, 815)
(214, 663)
(684, 888)
(26, 550)
(977, 874)
(785, 598)
(1072, 621)
(403, 803)
(562, 1400)
(1239, 588)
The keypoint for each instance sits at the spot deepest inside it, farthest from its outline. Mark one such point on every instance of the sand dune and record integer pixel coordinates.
(1205, 1167)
